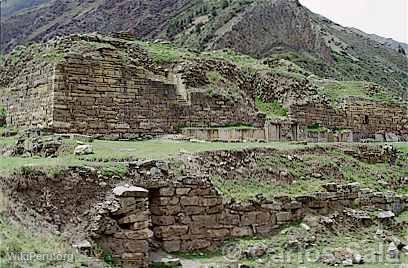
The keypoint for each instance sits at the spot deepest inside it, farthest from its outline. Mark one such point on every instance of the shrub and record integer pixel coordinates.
(272, 109)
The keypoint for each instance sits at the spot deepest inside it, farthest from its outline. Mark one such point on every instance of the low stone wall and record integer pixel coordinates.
(123, 224)
(225, 134)
(272, 131)
(176, 213)
(363, 118)
(327, 136)
(192, 215)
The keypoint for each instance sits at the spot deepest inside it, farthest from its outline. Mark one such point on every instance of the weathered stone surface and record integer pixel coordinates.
(130, 191)
(83, 149)
(167, 262)
(283, 217)
(134, 234)
(171, 245)
(241, 231)
(171, 231)
(386, 215)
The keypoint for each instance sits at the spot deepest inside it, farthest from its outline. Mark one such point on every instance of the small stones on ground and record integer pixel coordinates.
(305, 226)
(393, 250)
(327, 258)
(255, 251)
(386, 215)
(83, 149)
(344, 256)
(405, 250)
(358, 259)
(167, 262)
(347, 263)
(84, 244)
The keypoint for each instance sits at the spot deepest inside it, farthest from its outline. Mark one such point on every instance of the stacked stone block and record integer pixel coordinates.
(364, 118)
(28, 100)
(191, 215)
(128, 239)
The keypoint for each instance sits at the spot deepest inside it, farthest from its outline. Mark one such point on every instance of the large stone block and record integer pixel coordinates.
(171, 231)
(130, 191)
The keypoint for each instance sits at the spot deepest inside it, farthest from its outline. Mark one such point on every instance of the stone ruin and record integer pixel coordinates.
(365, 119)
(109, 85)
(153, 207)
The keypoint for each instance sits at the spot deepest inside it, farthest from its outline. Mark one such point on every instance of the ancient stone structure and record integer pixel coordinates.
(272, 131)
(363, 118)
(189, 214)
(113, 88)
(124, 228)
(154, 206)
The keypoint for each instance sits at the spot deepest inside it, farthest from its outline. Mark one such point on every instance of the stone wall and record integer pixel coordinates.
(272, 131)
(225, 134)
(123, 226)
(28, 100)
(104, 94)
(177, 213)
(191, 215)
(364, 118)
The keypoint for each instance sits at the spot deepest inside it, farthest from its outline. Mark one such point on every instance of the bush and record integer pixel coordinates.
(272, 109)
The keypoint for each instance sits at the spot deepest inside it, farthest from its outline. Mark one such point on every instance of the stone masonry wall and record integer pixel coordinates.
(123, 226)
(362, 117)
(28, 99)
(191, 215)
(95, 96)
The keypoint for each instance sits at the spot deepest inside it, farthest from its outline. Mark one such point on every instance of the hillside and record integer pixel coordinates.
(282, 30)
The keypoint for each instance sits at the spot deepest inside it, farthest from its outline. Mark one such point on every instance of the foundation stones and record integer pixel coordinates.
(129, 244)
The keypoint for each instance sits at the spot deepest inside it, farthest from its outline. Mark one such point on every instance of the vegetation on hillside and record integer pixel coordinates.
(273, 109)
(312, 170)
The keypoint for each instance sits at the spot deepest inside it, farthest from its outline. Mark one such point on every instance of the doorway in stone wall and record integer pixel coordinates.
(366, 121)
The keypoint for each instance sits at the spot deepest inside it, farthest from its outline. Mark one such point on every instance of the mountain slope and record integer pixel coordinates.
(266, 29)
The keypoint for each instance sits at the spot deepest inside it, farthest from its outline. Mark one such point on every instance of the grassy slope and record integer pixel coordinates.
(347, 169)
(362, 241)
(16, 239)
(124, 150)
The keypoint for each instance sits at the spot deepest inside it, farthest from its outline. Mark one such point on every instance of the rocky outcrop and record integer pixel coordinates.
(275, 25)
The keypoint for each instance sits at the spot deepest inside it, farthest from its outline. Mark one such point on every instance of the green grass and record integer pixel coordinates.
(6, 140)
(316, 128)
(277, 255)
(247, 189)
(163, 52)
(16, 239)
(246, 62)
(105, 151)
(162, 149)
(402, 146)
(214, 77)
(272, 109)
(310, 171)
(337, 90)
